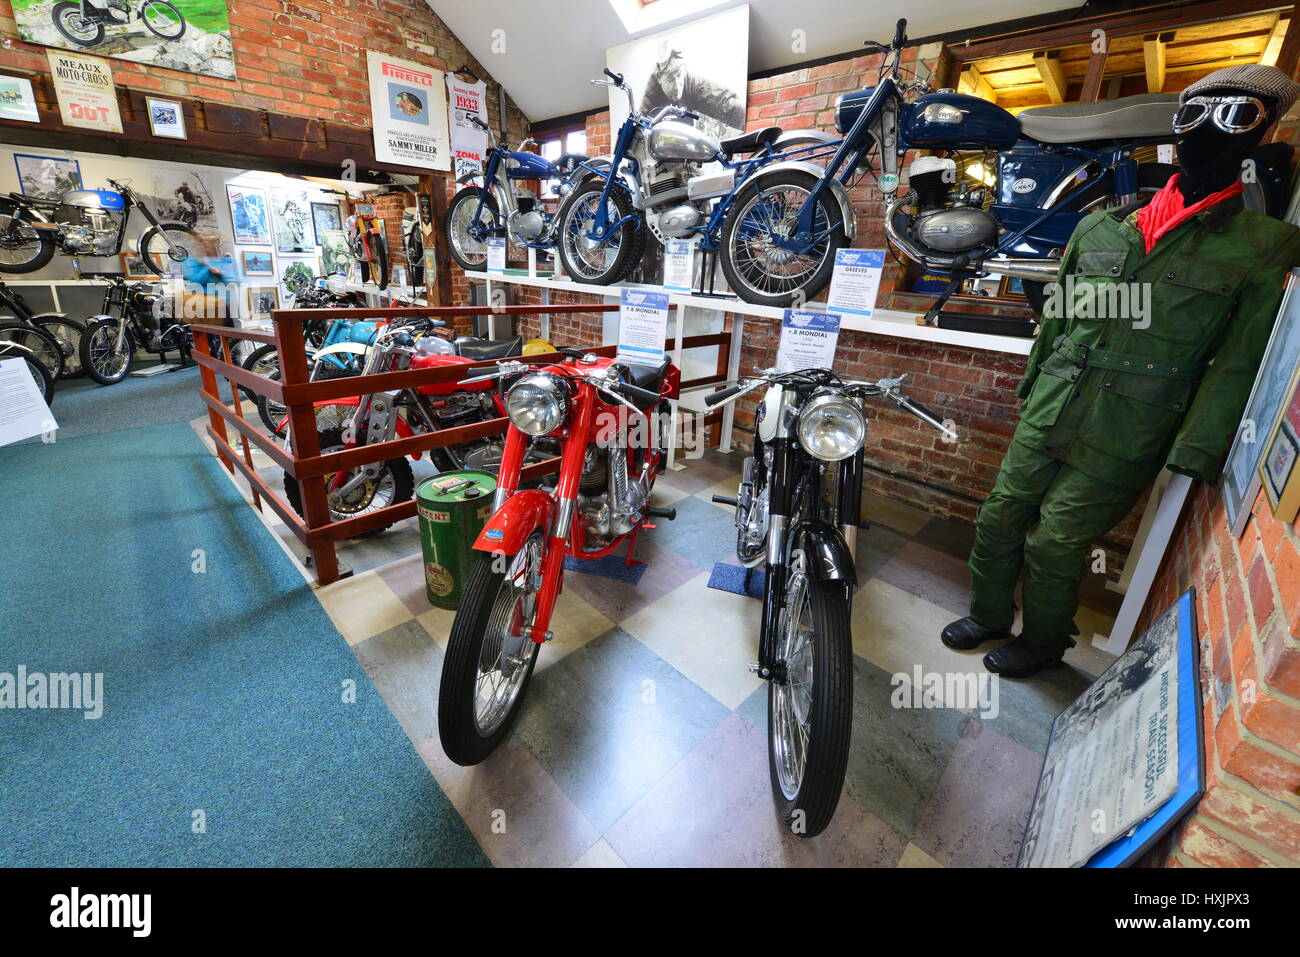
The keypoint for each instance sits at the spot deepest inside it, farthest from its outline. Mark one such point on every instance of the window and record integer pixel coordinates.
(553, 146)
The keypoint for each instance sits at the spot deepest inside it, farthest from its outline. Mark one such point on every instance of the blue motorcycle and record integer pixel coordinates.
(491, 206)
(1050, 167)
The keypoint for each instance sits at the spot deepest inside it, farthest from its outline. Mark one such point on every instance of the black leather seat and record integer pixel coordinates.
(645, 376)
(472, 348)
(750, 142)
(34, 200)
(568, 162)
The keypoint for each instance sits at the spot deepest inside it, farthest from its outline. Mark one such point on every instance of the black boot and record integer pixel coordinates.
(966, 634)
(1024, 657)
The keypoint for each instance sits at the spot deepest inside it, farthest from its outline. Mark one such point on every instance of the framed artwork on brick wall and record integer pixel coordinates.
(1278, 470)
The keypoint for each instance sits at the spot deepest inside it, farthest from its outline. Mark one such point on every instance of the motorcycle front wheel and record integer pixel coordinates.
(22, 248)
(68, 333)
(100, 357)
(162, 19)
(810, 703)
(599, 263)
(490, 656)
(158, 255)
(470, 253)
(395, 483)
(80, 30)
(760, 271)
(43, 347)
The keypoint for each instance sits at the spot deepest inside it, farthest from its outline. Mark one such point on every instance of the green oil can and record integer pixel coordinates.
(453, 507)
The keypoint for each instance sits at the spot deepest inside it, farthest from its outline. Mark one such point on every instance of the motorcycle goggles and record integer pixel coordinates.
(1231, 114)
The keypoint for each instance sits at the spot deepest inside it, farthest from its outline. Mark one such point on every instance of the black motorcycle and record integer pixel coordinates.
(51, 336)
(798, 510)
(83, 23)
(132, 314)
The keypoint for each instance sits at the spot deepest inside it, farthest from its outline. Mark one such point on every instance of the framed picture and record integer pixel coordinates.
(335, 256)
(257, 263)
(250, 214)
(1012, 287)
(293, 226)
(293, 273)
(133, 266)
(166, 118)
(261, 300)
(1278, 469)
(17, 102)
(326, 216)
(47, 177)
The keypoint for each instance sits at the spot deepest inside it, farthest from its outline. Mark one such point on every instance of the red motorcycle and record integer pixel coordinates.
(602, 413)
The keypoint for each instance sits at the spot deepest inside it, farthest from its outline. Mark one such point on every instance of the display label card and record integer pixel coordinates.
(856, 280)
(85, 90)
(17, 101)
(23, 412)
(808, 340)
(679, 264)
(496, 254)
(642, 326)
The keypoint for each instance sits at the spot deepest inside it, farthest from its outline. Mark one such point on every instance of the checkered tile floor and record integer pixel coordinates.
(642, 737)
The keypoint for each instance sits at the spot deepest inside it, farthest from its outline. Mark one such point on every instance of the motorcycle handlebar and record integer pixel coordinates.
(616, 77)
(722, 395)
(900, 34)
(637, 394)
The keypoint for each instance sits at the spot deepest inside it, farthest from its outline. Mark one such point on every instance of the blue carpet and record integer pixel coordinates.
(732, 578)
(84, 407)
(223, 691)
(611, 566)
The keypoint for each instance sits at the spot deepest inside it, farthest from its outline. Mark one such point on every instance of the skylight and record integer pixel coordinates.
(638, 15)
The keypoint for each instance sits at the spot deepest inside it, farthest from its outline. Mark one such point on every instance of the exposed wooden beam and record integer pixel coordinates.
(1053, 74)
(973, 82)
(1091, 91)
(1153, 53)
(1274, 45)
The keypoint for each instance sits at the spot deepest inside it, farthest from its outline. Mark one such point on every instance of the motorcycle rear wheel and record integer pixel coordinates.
(810, 705)
(22, 248)
(489, 636)
(395, 483)
(77, 29)
(68, 333)
(44, 347)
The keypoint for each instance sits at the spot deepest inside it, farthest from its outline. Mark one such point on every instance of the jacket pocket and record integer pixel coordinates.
(1050, 393)
(1135, 417)
(1103, 263)
(1192, 298)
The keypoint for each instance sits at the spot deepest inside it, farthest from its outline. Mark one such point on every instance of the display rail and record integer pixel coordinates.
(304, 461)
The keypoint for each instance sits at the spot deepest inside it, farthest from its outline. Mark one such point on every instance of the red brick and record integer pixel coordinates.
(1275, 829)
(1206, 847)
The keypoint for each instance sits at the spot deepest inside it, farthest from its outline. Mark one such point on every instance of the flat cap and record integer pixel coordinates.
(1266, 81)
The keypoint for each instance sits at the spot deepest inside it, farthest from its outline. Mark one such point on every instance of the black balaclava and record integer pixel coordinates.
(1211, 159)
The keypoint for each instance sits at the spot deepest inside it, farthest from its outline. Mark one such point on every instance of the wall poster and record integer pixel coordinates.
(85, 90)
(408, 109)
(468, 142)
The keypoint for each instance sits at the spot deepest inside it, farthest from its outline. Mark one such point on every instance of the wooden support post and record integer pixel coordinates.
(1274, 45)
(208, 378)
(441, 294)
(1153, 55)
(973, 82)
(1096, 71)
(1053, 74)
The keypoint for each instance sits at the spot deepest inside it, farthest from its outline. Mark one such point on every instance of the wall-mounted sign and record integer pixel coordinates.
(86, 92)
(807, 340)
(408, 109)
(466, 102)
(17, 101)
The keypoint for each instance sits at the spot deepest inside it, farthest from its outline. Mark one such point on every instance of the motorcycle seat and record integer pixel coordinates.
(649, 377)
(568, 162)
(33, 200)
(1145, 116)
(750, 142)
(472, 348)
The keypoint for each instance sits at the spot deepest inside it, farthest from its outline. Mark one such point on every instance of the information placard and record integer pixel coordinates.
(856, 280)
(642, 326)
(496, 254)
(408, 110)
(23, 412)
(679, 264)
(808, 340)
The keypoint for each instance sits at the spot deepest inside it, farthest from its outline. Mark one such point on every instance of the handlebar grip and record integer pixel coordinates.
(928, 411)
(642, 397)
(690, 114)
(900, 33)
(616, 77)
(722, 395)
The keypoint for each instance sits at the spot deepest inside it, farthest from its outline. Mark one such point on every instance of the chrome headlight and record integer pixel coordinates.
(831, 427)
(537, 404)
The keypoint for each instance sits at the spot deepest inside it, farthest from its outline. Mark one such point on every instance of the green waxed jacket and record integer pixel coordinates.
(1119, 392)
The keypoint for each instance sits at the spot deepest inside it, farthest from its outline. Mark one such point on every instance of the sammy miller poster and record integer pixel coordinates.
(188, 35)
(408, 109)
(85, 90)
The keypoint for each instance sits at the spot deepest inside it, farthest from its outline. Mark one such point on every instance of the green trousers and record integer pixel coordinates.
(1042, 516)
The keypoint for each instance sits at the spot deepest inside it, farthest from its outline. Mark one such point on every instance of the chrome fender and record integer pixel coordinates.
(342, 348)
(836, 187)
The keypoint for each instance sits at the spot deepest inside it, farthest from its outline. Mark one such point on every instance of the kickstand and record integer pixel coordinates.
(749, 574)
(629, 561)
(954, 283)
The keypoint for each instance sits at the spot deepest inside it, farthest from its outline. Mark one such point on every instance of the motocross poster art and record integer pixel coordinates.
(188, 35)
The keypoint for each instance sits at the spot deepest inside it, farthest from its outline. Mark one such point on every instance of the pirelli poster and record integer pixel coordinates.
(408, 108)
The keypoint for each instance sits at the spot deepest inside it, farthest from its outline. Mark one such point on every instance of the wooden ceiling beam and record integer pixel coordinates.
(1053, 74)
(1153, 52)
(973, 82)
(1274, 45)
(1091, 91)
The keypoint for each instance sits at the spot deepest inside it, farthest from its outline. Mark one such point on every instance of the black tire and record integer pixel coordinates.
(459, 243)
(756, 284)
(40, 375)
(164, 7)
(810, 807)
(631, 237)
(155, 252)
(463, 739)
(379, 270)
(16, 235)
(61, 11)
(399, 470)
(99, 358)
(68, 333)
(261, 361)
(44, 347)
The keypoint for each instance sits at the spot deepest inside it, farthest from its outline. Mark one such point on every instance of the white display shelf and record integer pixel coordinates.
(885, 322)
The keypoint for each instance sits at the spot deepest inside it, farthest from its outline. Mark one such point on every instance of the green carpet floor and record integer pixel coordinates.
(223, 690)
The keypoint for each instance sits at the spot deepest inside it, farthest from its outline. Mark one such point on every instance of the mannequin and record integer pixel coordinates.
(1110, 400)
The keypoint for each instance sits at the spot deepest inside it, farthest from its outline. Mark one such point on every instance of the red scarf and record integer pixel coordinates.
(1166, 209)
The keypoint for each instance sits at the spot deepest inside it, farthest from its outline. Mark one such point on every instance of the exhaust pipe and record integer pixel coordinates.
(1038, 270)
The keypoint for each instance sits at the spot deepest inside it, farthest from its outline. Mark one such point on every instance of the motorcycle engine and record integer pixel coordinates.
(610, 502)
(666, 214)
(528, 226)
(944, 222)
(87, 232)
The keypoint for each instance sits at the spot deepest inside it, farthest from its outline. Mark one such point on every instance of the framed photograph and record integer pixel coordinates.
(292, 273)
(47, 177)
(166, 118)
(1012, 287)
(17, 102)
(250, 214)
(261, 300)
(335, 256)
(293, 227)
(1278, 469)
(133, 266)
(185, 195)
(326, 216)
(257, 263)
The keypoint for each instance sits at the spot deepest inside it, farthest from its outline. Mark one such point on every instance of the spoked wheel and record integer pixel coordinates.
(44, 348)
(83, 31)
(394, 483)
(585, 259)
(328, 417)
(158, 254)
(810, 702)
(760, 271)
(102, 358)
(162, 19)
(470, 253)
(490, 656)
(44, 381)
(22, 248)
(67, 333)
(264, 361)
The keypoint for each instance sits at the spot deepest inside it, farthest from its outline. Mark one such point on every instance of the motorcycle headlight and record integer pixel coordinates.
(537, 404)
(831, 427)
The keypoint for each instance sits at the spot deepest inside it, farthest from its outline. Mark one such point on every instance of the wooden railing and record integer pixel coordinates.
(304, 462)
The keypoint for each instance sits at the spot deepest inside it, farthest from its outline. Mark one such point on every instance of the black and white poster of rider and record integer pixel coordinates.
(293, 226)
(185, 196)
(702, 65)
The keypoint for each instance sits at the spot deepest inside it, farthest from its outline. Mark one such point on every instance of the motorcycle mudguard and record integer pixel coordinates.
(836, 187)
(341, 348)
(509, 526)
(49, 315)
(826, 554)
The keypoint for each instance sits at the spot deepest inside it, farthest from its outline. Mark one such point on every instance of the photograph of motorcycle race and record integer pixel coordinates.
(661, 434)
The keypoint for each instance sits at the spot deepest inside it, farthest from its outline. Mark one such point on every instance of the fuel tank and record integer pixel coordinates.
(94, 199)
(957, 121)
(447, 388)
(525, 165)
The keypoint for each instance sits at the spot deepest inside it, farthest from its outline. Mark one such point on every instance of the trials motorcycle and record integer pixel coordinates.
(600, 501)
(87, 222)
(83, 23)
(798, 512)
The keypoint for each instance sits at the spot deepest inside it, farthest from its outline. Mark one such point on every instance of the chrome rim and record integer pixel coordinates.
(586, 257)
(104, 356)
(76, 25)
(369, 496)
(69, 339)
(467, 247)
(761, 266)
(507, 651)
(17, 246)
(159, 252)
(792, 697)
(164, 20)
